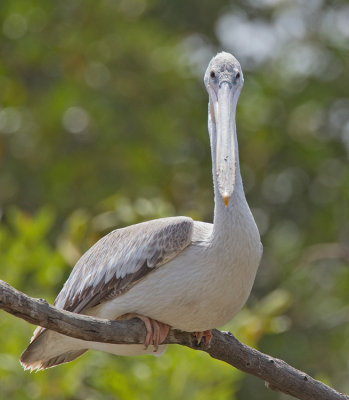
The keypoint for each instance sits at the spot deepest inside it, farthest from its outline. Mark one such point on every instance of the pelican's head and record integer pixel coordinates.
(224, 81)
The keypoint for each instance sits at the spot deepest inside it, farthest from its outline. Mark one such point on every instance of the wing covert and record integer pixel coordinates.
(121, 258)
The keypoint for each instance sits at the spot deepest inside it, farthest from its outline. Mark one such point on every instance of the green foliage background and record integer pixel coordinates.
(103, 124)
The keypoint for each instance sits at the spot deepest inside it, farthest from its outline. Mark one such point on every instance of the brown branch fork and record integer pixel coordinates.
(277, 374)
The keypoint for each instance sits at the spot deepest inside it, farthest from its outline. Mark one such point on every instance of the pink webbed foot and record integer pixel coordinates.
(206, 334)
(156, 331)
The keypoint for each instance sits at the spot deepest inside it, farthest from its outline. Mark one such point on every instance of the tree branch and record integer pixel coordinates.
(224, 346)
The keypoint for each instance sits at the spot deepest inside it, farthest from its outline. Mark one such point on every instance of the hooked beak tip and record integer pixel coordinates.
(226, 199)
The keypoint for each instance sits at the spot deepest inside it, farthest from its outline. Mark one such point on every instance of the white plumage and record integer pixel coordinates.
(186, 274)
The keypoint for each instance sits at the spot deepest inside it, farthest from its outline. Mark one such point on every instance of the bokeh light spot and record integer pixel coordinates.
(14, 26)
(75, 119)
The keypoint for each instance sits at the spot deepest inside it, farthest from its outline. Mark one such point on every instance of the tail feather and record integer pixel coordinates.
(48, 349)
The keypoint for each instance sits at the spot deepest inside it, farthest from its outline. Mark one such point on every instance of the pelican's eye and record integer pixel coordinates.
(212, 74)
(237, 76)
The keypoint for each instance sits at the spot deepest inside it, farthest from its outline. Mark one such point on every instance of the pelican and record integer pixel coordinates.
(169, 272)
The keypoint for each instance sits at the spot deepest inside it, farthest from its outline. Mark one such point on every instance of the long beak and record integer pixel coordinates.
(224, 110)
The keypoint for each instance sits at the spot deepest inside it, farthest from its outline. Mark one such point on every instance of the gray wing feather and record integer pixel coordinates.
(121, 258)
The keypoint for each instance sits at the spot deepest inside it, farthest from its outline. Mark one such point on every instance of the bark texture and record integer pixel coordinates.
(277, 374)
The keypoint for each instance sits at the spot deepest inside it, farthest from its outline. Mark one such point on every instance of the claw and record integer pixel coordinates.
(156, 331)
(199, 335)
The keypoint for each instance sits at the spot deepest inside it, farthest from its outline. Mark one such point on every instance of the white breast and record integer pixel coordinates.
(202, 288)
